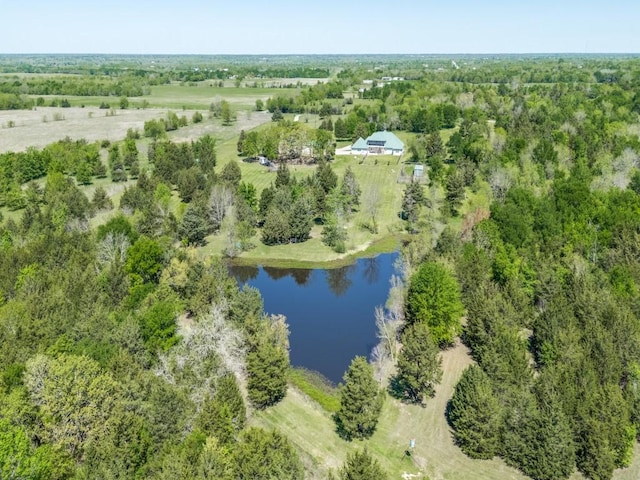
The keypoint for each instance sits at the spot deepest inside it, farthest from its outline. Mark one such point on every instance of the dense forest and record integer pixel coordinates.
(126, 353)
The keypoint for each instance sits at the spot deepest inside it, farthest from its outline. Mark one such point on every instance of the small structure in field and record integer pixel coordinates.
(418, 172)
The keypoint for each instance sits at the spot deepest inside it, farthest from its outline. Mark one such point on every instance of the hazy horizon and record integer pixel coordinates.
(285, 27)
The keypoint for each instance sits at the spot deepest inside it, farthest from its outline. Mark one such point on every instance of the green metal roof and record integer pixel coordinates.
(389, 140)
(359, 145)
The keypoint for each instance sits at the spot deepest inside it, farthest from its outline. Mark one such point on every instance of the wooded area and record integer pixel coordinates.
(129, 353)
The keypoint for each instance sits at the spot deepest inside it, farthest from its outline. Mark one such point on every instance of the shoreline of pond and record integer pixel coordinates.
(388, 244)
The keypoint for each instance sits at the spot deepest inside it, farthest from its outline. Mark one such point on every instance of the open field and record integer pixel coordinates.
(38, 128)
(201, 96)
(435, 455)
(182, 96)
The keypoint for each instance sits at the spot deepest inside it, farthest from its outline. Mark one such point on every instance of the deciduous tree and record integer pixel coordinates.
(434, 299)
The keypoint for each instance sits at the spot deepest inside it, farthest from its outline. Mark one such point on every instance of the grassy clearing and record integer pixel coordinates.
(435, 456)
(311, 428)
(316, 387)
(202, 95)
(372, 173)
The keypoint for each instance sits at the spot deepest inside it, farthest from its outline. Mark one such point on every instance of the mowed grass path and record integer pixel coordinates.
(435, 455)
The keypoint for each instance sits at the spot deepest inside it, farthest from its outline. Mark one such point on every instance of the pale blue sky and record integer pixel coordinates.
(329, 26)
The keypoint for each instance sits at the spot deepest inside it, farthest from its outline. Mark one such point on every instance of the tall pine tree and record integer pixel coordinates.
(419, 363)
(474, 414)
(360, 402)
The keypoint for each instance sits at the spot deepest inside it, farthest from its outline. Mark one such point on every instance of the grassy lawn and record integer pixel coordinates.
(374, 172)
(311, 428)
(435, 456)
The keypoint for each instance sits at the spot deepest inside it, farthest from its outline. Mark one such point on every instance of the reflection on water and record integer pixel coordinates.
(338, 279)
(330, 312)
(371, 270)
(245, 273)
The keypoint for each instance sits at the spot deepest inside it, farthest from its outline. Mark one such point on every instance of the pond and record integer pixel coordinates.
(330, 312)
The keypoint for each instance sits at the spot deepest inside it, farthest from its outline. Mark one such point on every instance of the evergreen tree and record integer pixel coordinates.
(190, 182)
(239, 146)
(83, 173)
(283, 175)
(267, 367)
(360, 402)
(634, 184)
(436, 170)
(333, 234)
(266, 198)
(129, 152)
(350, 190)
(101, 200)
(226, 113)
(194, 226)
(277, 116)
(595, 457)
(412, 201)
(228, 392)
(326, 176)
(204, 151)
(266, 456)
(474, 414)
(419, 363)
(276, 227)
(360, 465)
(544, 153)
(300, 219)
(215, 419)
(231, 174)
(116, 164)
(361, 131)
(100, 170)
(134, 171)
(340, 129)
(433, 145)
(454, 192)
(215, 461)
(552, 446)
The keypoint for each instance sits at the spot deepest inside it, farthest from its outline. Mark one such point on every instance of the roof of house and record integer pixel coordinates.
(389, 140)
(359, 145)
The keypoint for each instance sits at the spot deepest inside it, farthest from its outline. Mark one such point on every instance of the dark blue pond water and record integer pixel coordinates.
(330, 312)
